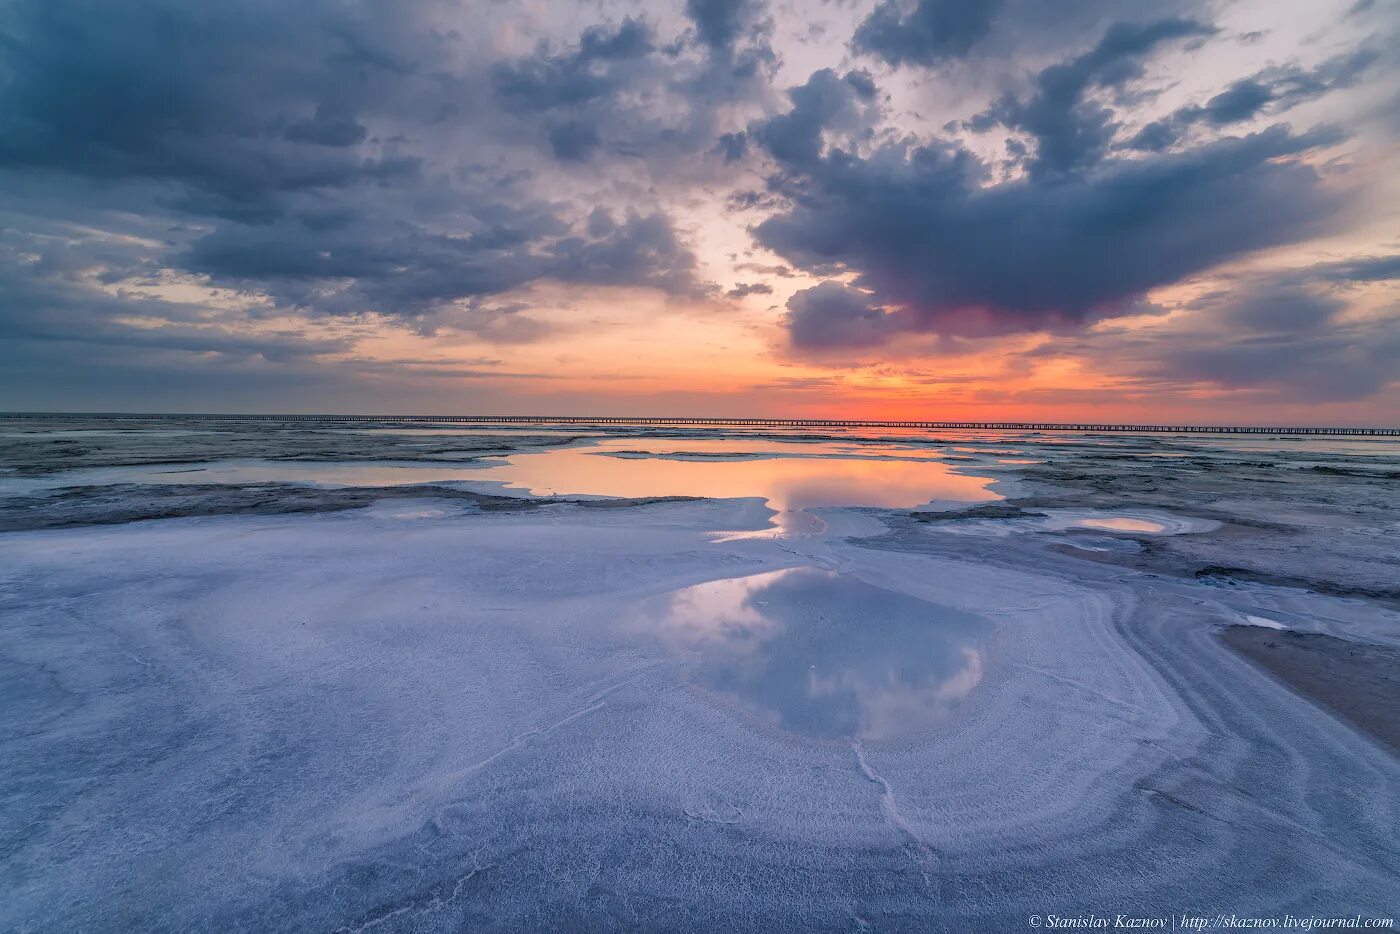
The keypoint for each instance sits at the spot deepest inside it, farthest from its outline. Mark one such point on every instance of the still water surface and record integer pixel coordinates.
(789, 476)
(823, 654)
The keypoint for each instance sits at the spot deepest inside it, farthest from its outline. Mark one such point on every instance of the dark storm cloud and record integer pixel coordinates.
(617, 94)
(1070, 129)
(933, 31)
(733, 146)
(1241, 101)
(327, 129)
(946, 34)
(933, 247)
(735, 36)
(638, 250)
(923, 234)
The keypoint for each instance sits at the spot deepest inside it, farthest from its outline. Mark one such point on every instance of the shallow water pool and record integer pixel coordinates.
(823, 654)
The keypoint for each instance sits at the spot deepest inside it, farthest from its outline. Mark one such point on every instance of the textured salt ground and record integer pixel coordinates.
(356, 720)
(1358, 681)
(1318, 517)
(421, 716)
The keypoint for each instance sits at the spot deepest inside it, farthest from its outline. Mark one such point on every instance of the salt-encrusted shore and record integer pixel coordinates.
(417, 713)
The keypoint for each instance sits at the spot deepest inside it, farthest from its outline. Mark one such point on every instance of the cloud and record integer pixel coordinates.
(326, 128)
(745, 289)
(782, 272)
(1289, 343)
(735, 37)
(832, 316)
(243, 100)
(1356, 270)
(720, 24)
(922, 233)
(312, 153)
(61, 305)
(573, 141)
(1070, 130)
(596, 68)
(933, 31)
(932, 246)
(825, 102)
(733, 146)
(397, 268)
(1269, 92)
(346, 166)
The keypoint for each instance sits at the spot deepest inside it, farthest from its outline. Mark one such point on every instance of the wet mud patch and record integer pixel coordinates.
(1358, 681)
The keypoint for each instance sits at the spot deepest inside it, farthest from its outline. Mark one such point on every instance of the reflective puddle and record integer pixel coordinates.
(1119, 524)
(790, 476)
(822, 654)
(1137, 522)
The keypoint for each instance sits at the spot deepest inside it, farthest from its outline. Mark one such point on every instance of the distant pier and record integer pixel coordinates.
(643, 422)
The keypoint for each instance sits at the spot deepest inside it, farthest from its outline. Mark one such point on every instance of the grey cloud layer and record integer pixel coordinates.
(349, 157)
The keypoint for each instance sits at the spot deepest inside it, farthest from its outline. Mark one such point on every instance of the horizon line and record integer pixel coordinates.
(756, 422)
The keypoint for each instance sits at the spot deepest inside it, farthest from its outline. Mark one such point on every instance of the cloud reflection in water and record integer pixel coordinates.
(823, 654)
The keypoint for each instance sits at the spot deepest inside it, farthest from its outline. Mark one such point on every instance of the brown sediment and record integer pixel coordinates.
(1358, 681)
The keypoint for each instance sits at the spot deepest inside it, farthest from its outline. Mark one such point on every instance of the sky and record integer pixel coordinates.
(1172, 211)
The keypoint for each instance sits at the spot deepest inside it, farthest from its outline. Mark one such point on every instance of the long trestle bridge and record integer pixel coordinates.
(700, 422)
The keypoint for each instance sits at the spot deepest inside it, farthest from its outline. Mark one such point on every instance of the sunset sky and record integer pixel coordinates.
(1014, 209)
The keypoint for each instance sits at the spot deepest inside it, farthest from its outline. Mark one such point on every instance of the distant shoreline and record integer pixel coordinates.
(701, 421)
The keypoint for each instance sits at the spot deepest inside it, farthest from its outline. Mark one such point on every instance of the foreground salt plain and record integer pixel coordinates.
(462, 707)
